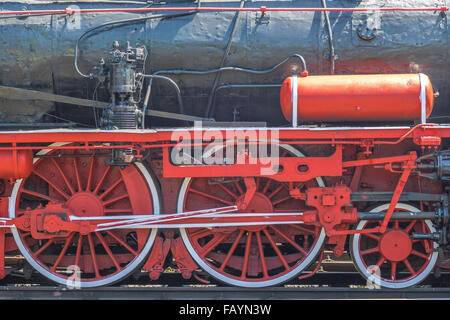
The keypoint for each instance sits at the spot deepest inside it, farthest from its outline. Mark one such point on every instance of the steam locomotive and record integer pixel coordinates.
(236, 139)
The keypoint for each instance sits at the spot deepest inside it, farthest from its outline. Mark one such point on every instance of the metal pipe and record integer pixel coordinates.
(71, 11)
(160, 16)
(204, 72)
(330, 37)
(208, 112)
(173, 83)
(397, 215)
(426, 236)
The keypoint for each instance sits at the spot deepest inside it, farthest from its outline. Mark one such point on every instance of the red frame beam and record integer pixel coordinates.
(332, 135)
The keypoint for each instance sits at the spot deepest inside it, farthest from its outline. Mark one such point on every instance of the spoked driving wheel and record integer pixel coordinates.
(251, 255)
(393, 259)
(88, 187)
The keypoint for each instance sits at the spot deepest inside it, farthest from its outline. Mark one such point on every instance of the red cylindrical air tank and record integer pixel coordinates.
(15, 164)
(375, 97)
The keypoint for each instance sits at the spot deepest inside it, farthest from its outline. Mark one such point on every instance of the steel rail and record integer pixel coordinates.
(218, 293)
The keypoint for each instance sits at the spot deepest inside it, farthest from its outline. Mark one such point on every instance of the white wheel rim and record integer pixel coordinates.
(250, 284)
(376, 279)
(87, 283)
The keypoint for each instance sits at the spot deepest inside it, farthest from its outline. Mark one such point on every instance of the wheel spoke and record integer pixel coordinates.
(110, 232)
(61, 172)
(102, 179)
(295, 245)
(238, 187)
(274, 246)
(115, 184)
(380, 262)
(77, 174)
(271, 195)
(214, 242)
(63, 251)
(39, 195)
(231, 251)
(369, 251)
(258, 182)
(90, 175)
(393, 269)
(108, 250)
(231, 193)
(396, 224)
(246, 254)
(302, 229)
(200, 233)
(371, 235)
(78, 254)
(419, 254)
(93, 255)
(275, 203)
(266, 187)
(45, 246)
(107, 203)
(51, 184)
(206, 195)
(261, 255)
(410, 268)
(410, 226)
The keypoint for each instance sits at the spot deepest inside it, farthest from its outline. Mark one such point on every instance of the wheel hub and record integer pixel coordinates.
(259, 204)
(396, 245)
(85, 204)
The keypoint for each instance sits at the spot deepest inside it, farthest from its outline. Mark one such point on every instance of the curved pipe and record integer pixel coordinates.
(173, 83)
(204, 72)
(224, 57)
(77, 44)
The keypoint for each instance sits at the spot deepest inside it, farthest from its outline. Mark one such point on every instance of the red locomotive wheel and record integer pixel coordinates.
(252, 255)
(393, 259)
(88, 187)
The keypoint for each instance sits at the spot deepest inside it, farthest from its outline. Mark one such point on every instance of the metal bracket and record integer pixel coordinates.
(264, 18)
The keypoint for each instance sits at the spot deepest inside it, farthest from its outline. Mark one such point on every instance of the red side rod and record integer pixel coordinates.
(70, 11)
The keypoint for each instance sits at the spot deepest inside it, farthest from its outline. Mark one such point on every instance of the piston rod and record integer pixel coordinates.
(397, 215)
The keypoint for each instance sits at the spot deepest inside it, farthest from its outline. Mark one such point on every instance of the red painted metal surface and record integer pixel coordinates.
(155, 262)
(186, 266)
(169, 138)
(373, 97)
(280, 168)
(15, 164)
(330, 203)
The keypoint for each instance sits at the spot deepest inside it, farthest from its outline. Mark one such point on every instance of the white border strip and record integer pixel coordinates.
(294, 101)
(423, 100)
